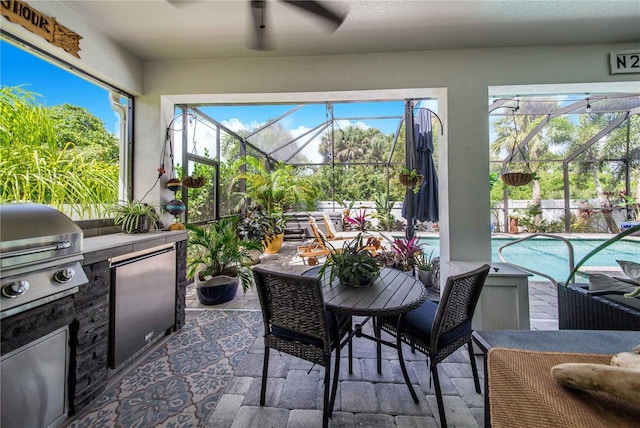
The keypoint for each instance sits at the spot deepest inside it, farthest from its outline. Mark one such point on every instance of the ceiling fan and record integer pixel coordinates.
(258, 8)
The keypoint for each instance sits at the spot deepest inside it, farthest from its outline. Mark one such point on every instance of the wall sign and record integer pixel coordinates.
(625, 61)
(48, 28)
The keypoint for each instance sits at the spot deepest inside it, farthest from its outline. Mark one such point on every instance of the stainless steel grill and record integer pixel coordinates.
(40, 257)
(40, 263)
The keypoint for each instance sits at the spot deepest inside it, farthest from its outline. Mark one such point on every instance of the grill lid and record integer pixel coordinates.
(32, 233)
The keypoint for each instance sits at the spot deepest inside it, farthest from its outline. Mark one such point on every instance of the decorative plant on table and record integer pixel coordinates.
(354, 264)
(219, 257)
(135, 217)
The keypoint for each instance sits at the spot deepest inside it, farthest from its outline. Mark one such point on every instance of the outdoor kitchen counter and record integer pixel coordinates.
(104, 247)
(94, 308)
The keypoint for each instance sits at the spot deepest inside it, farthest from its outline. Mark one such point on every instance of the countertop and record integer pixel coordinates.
(104, 247)
(497, 269)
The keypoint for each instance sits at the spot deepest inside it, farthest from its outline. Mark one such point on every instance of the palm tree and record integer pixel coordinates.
(511, 130)
(275, 190)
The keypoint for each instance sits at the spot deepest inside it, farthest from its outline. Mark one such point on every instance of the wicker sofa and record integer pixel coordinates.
(578, 310)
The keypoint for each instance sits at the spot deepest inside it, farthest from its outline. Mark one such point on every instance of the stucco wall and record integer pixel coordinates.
(460, 79)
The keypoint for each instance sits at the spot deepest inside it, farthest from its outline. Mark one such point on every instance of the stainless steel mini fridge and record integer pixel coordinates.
(143, 301)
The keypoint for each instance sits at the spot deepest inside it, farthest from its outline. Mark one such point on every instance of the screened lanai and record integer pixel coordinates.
(583, 152)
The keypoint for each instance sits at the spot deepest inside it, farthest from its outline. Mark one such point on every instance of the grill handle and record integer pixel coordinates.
(25, 252)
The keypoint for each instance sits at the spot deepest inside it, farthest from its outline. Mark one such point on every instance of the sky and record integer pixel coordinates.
(55, 85)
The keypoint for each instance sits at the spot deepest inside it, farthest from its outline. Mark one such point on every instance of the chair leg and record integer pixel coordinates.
(265, 369)
(403, 367)
(350, 351)
(325, 408)
(436, 385)
(474, 366)
(336, 379)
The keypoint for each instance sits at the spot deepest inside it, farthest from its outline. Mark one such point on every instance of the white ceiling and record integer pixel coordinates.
(186, 29)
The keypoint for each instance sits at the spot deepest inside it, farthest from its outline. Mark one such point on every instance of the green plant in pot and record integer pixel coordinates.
(135, 217)
(219, 260)
(275, 191)
(424, 265)
(354, 265)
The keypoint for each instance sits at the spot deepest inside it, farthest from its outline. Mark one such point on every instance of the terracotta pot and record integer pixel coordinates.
(273, 245)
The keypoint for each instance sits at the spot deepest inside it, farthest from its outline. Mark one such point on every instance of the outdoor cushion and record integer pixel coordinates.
(285, 333)
(631, 269)
(419, 321)
(600, 282)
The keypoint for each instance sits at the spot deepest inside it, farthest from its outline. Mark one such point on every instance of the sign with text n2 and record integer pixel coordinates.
(625, 61)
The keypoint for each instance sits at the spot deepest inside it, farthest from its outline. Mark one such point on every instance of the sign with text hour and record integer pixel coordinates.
(625, 61)
(19, 12)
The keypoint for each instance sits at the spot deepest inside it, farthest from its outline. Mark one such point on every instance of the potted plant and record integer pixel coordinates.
(274, 191)
(135, 217)
(424, 265)
(219, 260)
(633, 211)
(360, 221)
(353, 264)
(410, 177)
(273, 230)
(406, 252)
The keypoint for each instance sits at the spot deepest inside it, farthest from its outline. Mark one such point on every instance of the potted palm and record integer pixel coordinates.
(354, 264)
(135, 217)
(273, 191)
(219, 260)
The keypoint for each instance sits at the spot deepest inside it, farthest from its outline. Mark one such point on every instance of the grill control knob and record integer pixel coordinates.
(15, 289)
(64, 275)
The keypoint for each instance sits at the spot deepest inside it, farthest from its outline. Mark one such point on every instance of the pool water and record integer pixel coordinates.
(551, 256)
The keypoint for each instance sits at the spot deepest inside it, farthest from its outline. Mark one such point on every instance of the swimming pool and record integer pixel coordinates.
(550, 256)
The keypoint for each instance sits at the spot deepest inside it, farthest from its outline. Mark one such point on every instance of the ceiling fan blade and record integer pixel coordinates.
(259, 35)
(314, 7)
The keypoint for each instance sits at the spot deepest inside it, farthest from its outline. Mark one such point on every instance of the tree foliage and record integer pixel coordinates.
(42, 165)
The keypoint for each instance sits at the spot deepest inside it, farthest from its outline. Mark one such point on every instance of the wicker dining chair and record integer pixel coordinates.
(438, 330)
(297, 323)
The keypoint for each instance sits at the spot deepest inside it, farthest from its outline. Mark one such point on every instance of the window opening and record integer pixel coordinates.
(90, 138)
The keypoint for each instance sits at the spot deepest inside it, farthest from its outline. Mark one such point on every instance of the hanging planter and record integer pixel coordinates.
(194, 182)
(410, 179)
(517, 178)
(174, 184)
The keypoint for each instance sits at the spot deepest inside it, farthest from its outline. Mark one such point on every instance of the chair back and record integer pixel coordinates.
(293, 306)
(458, 303)
(319, 237)
(331, 230)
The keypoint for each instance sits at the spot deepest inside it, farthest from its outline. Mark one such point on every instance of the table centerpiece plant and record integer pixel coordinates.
(354, 264)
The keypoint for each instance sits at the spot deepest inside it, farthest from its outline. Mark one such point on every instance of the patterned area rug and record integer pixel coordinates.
(180, 383)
